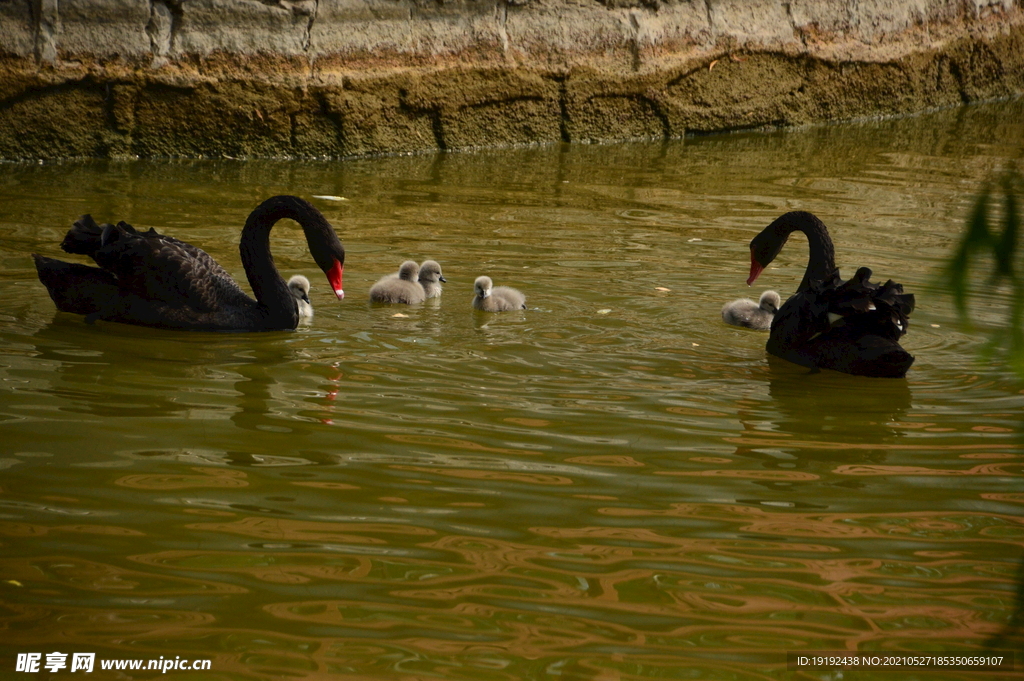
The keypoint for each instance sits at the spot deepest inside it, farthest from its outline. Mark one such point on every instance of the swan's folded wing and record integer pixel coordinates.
(800, 319)
(848, 350)
(163, 269)
(76, 288)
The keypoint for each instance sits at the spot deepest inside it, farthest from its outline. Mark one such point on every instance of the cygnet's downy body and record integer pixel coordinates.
(299, 287)
(745, 312)
(403, 288)
(490, 298)
(431, 278)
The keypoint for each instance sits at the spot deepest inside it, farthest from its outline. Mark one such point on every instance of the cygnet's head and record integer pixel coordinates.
(299, 286)
(770, 301)
(408, 271)
(430, 272)
(482, 287)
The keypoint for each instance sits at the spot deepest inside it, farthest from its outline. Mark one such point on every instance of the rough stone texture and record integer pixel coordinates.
(334, 78)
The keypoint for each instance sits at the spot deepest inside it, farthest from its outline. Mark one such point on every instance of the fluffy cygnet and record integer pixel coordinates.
(299, 287)
(491, 299)
(745, 312)
(431, 278)
(399, 289)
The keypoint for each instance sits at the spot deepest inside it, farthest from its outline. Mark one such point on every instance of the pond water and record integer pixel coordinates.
(611, 484)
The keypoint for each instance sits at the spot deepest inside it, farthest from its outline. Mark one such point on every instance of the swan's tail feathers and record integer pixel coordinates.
(893, 294)
(84, 237)
(861, 277)
(76, 288)
(880, 309)
(897, 305)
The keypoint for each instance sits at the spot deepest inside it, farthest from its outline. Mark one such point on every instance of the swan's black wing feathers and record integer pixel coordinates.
(850, 326)
(852, 351)
(805, 315)
(880, 309)
(800, 319)
(76, 288)
(155, 267)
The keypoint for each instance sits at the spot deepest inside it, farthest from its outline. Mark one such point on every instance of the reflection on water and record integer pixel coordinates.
(611, 484)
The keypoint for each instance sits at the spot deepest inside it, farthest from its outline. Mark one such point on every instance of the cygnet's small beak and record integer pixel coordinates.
(441, 278)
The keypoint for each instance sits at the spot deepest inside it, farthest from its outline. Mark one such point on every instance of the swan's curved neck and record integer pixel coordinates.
(268, 286)
(822, 261)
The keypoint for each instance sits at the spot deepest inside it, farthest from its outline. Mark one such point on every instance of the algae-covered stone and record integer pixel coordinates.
(334, 78)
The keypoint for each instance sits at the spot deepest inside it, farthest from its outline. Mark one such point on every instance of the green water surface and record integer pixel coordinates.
(611, 484)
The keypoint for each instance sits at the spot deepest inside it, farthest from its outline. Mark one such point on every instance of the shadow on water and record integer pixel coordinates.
(823, 417)
(89, 377)
(254, 410)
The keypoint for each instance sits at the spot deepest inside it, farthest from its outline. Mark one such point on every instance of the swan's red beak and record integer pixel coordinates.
(334, 277)
(755, 269)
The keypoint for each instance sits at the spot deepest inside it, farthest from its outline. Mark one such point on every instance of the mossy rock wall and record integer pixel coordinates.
(335, 78)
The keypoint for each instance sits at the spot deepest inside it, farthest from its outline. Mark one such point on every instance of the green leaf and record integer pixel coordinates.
(1000, 251)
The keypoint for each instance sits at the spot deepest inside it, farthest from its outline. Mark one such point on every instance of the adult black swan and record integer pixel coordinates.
(150, 279)
(849, 326)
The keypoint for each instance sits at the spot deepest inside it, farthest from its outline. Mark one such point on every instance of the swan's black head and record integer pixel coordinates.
(329, 254)
(763, 249)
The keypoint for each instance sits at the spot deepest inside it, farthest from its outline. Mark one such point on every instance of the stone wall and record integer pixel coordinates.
(334, 78)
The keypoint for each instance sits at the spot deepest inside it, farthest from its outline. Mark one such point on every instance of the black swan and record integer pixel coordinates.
(496, 299)
(149, 279)
(299, 286)
(400, 288)
(431, 278)
(745, 312)
(852, 326)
